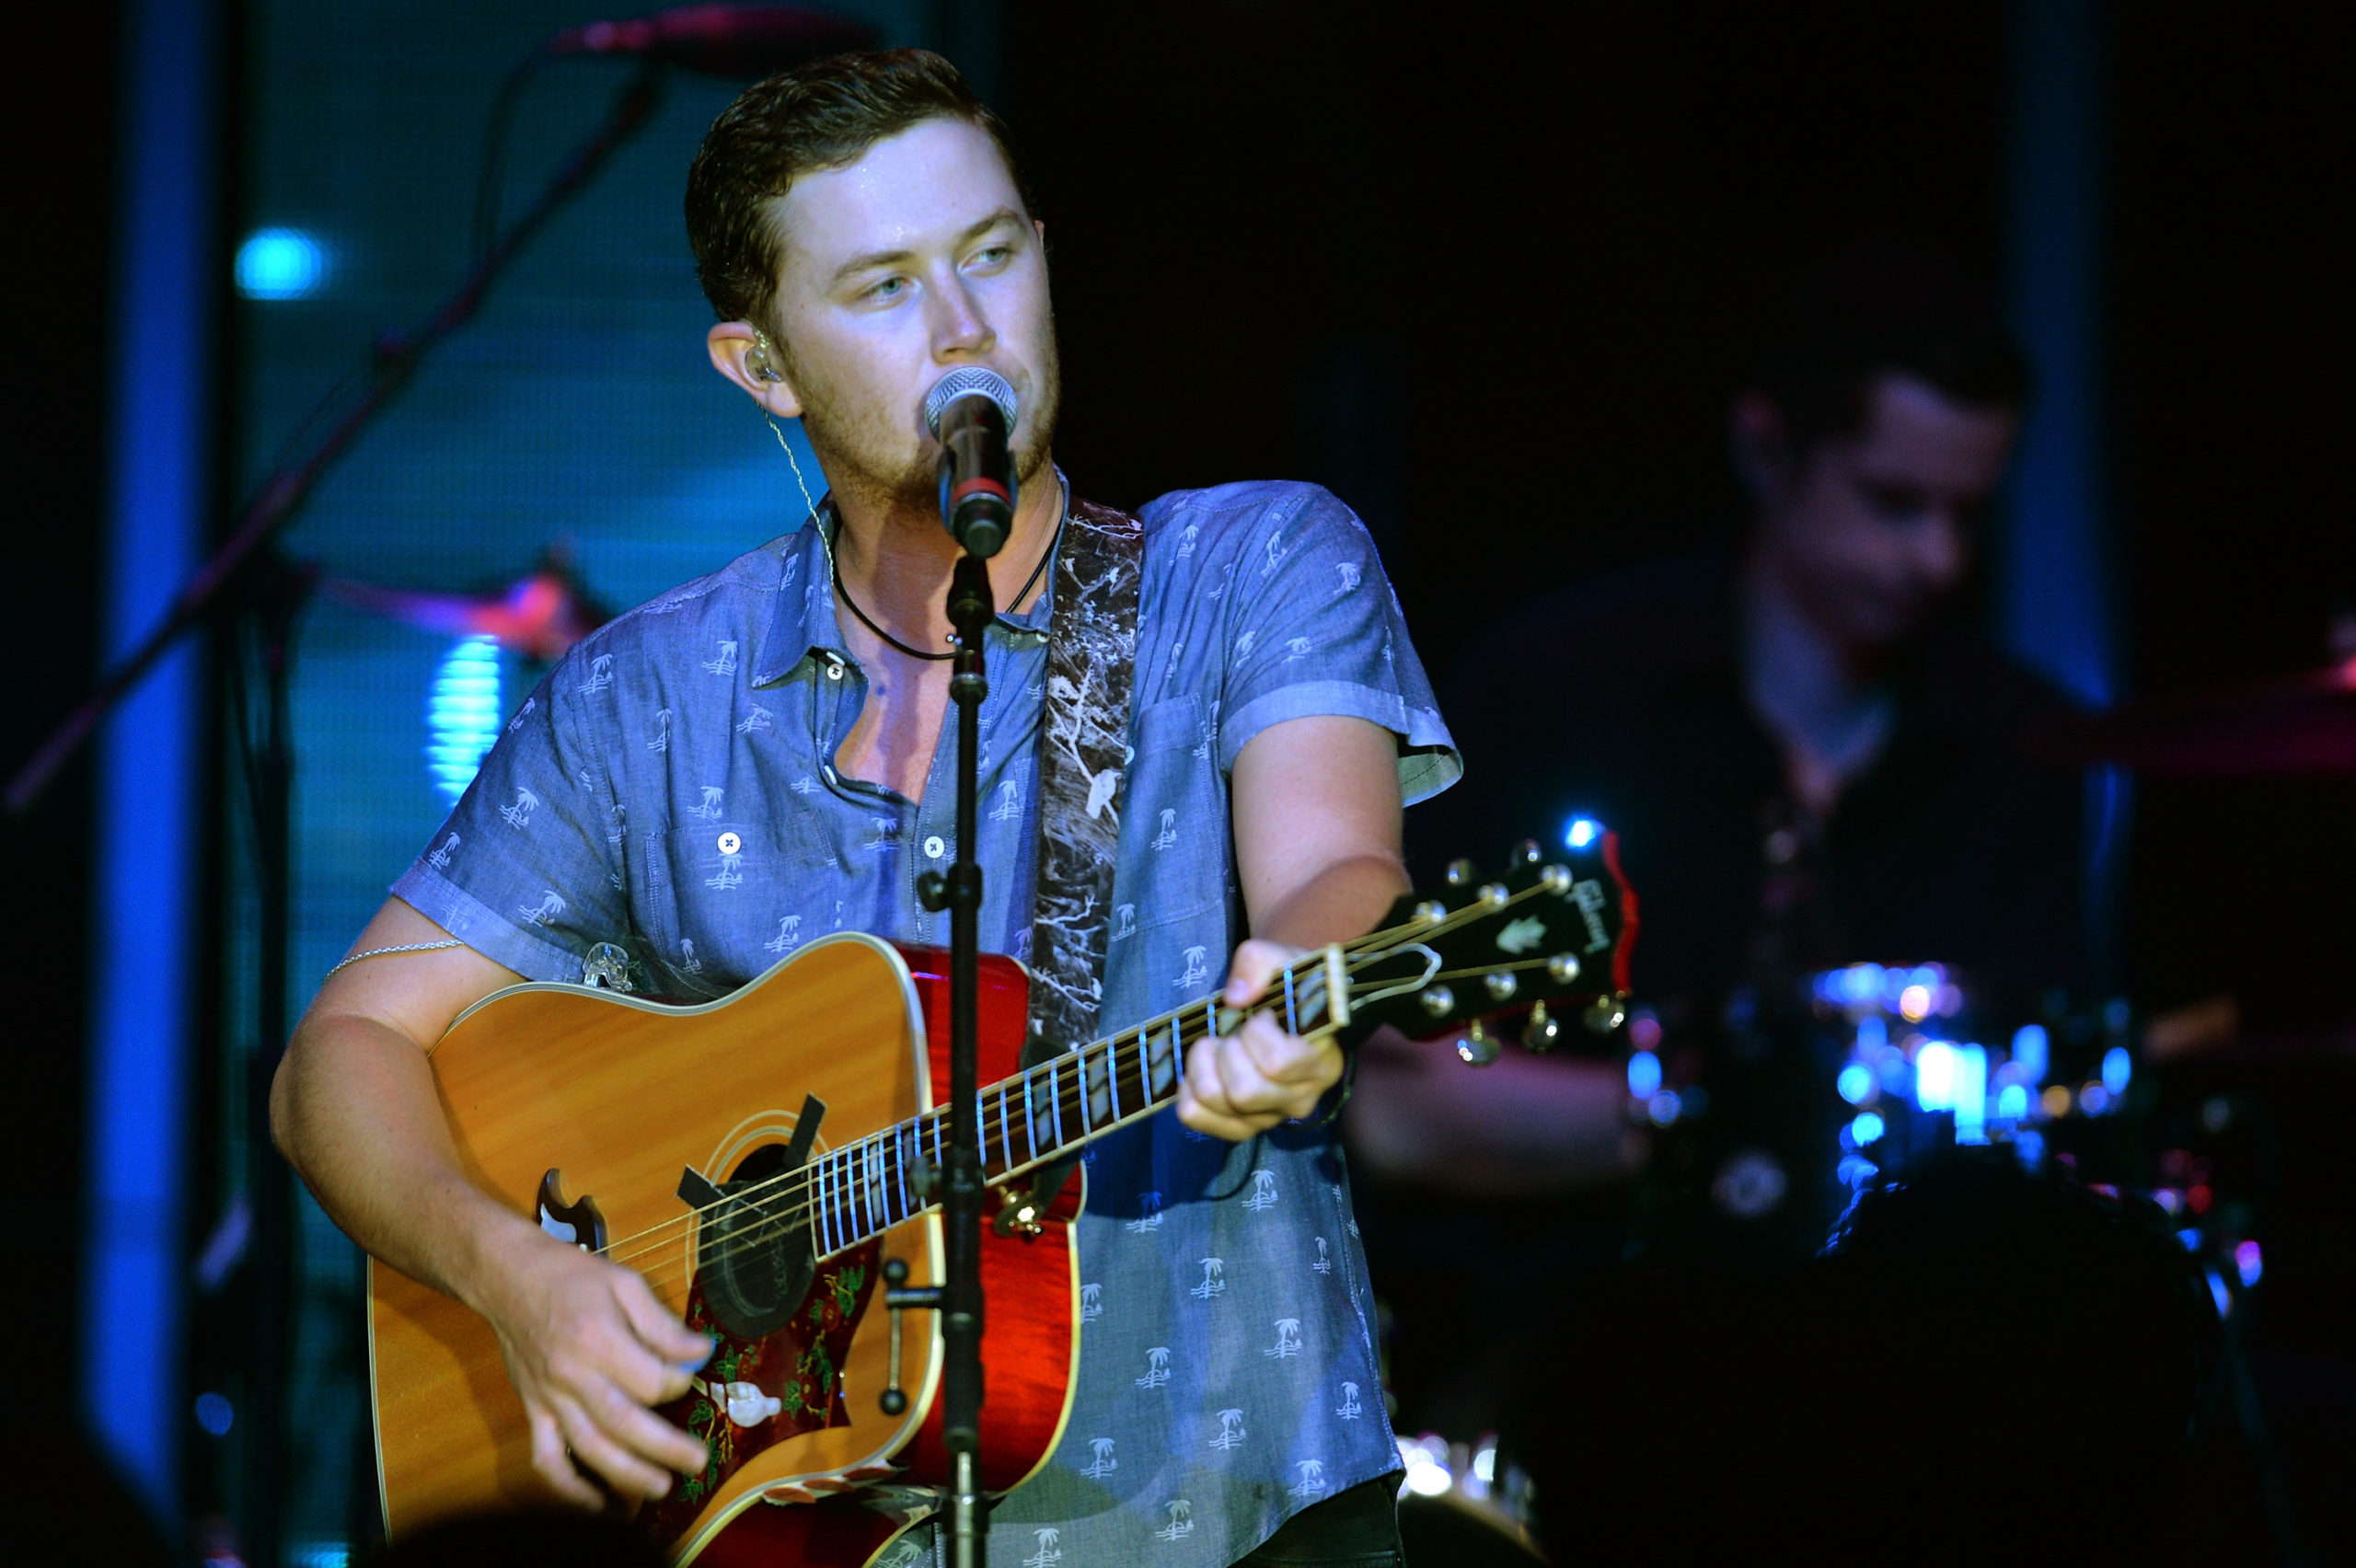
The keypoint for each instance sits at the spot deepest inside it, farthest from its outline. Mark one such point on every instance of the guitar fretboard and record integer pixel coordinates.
(1031, 1119)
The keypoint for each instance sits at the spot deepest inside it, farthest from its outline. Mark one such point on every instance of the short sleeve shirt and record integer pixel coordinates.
(670, 791)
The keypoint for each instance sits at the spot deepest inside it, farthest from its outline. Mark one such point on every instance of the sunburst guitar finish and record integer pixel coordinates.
(616, 1098)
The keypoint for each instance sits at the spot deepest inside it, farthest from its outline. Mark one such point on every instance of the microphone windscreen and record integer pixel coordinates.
(968, 381)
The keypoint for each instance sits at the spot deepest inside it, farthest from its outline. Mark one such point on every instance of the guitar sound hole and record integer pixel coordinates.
(754, 1250)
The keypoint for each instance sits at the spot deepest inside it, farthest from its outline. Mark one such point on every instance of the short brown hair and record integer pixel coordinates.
(819, 116)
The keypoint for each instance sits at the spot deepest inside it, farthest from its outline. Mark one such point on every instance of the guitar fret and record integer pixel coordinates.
(1113, 1078)
(1056, 1097)
(826, 1217)
(1030, 1119)
(1292, 1017)
(863, 1211)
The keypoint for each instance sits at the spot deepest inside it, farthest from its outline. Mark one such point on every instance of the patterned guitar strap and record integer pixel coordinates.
(1083, 749)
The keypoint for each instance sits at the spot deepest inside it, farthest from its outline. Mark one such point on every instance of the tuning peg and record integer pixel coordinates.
(1438, 1000)
(1476, 1047)
(1606, 1014)
(1502, 983)
(1543, 1031)
(1525, 853)
(1462, 873)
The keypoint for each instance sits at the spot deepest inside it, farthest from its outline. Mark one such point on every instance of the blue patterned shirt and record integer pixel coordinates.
(670, 788)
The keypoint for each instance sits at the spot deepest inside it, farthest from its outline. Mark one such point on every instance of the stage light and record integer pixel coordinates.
(1856, 1084)
(2055, 1100)
(2031, 1051)
(1873, 1035)
(2191, 1238)
(1664, 1107)
(1934, 1075)
(1969, 1096)
(2220, 1295)
(1854, 1170)
(1865, 1130)
(280, 263)
(215, 1414)
(2249, 1263)
(462, 714)
(2030, 1147)
(1914, 1003)
(2117, 1068)
(2093, 1100)
(2011, 1102)
(1582, 832)
(1643, 1075)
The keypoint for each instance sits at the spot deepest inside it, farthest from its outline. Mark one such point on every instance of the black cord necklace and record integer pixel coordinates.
(843, 593)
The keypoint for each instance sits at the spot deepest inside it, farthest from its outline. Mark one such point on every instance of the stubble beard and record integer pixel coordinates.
(855, 443)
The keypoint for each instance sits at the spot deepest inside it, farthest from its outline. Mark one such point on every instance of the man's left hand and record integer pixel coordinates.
(1246, 1082)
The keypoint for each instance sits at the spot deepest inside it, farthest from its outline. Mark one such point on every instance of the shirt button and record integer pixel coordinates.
(730, 844)
(934, 847)
(833, 671)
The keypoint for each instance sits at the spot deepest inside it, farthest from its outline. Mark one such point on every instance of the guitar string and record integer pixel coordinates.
(878, 1154)
(786, 1204)
(870, 1167)
(1189, 1015)
(886, 1145)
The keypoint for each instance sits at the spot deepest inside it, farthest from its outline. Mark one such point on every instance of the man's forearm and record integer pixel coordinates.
(1344, 900)
(354, 1108)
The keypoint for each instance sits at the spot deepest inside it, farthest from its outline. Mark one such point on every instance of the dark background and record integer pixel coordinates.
(1485, 273)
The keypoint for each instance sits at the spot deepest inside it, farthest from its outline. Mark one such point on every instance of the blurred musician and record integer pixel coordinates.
(1808, 753)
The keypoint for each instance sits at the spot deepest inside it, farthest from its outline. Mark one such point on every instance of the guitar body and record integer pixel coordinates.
(620, 1096)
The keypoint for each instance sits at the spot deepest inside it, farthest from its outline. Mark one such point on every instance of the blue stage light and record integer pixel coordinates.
(1873, 1035)
(215, 1414)
(2011, 1102)
(1856, 1083)
(1582, 832)
(2117, 1068)
(2249, 1262)
(2030, 1050)
(2220, 1295)
(1969, 1099)
(1643, 1075)
(1934, 1075)
(1866, 1130)
(280, 263)
(462, 714)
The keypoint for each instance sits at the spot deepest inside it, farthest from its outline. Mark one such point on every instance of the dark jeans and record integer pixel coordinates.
(1354, 1528)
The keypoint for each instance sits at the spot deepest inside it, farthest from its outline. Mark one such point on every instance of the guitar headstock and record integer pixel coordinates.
(1549, 930)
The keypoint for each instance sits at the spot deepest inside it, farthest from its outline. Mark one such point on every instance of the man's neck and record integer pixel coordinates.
(896, 559)
(1827, 706)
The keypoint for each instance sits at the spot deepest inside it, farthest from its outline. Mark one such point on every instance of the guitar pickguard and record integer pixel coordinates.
(754, 1393)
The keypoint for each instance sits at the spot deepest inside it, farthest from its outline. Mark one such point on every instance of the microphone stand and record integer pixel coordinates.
(959, 1299)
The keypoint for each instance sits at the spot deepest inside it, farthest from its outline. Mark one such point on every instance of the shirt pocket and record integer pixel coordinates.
(1175, 844)
(727, 898)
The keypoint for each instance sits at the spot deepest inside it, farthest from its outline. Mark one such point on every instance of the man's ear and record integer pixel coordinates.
(1759, 446)
(745, 359)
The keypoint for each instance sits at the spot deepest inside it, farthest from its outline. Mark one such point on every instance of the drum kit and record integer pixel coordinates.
(1904, 1060)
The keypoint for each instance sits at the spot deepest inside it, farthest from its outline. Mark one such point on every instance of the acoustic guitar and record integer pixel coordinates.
(764, 1159)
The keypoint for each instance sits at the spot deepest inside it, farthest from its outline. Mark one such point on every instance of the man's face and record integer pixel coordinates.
(1872, 529)
(913, 260)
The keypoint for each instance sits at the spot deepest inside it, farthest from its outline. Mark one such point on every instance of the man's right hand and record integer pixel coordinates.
(590, 1349)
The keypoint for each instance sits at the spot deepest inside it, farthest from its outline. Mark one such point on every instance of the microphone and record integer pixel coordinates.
(721, 40)
(971, 412)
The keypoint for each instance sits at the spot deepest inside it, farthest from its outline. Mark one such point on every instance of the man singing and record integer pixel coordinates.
(756, 758)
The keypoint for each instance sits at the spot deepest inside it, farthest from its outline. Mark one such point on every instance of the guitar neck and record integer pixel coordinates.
(1037, 1116)
(1517, 942)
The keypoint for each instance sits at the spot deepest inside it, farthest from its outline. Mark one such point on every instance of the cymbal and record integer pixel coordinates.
(2275, 727)
(538, 616)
